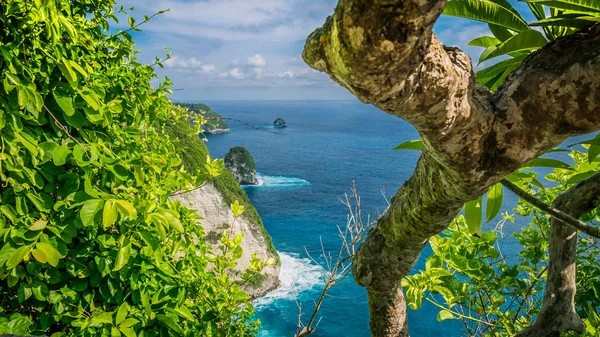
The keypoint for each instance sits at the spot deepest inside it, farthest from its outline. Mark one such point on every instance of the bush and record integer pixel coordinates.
(90, 243)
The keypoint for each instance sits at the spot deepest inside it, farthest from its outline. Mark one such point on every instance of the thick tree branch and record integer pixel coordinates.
(550, 210)
(384, 52)
(558, 314)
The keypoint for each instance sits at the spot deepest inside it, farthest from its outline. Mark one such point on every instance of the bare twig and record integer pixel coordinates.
(335, 268)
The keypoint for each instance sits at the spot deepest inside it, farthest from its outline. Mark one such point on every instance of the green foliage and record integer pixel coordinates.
(239, 154)
(90, 242)
(212, 118)
(513, 36)
(495, 294)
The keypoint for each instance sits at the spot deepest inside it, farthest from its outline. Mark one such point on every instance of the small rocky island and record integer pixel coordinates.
(241, 164)
(215, 123)
(280, 123)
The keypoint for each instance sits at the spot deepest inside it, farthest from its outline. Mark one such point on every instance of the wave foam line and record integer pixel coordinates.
(279, 181)
(297, 275)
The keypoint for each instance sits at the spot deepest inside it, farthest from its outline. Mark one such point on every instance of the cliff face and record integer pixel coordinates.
(213, 203)
(210, 204)
(241, 164)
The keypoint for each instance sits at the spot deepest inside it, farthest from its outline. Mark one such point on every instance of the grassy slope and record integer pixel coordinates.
(193, 152)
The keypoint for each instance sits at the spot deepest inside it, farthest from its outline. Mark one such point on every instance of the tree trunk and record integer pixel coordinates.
(384, 52)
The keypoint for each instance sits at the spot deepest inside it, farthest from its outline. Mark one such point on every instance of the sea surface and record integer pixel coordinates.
(304, 171)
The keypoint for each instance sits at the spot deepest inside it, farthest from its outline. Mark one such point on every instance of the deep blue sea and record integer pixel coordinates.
(326, 147)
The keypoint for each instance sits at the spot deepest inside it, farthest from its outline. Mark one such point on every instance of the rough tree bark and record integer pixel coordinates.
(384, 52)
(558, 314)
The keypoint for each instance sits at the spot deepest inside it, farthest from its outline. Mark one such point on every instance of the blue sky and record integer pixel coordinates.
(250, 49)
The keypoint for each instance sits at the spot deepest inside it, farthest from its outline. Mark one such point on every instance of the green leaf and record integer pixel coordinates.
(237, 209)
(39, 256)
(123, 255)
(129, 322)
(528, 40)
(491, 75)
(473, 215)
(547, 162)
(486, 11)
(103, 318)
(89, 210)
(581, 176)
(109, 214)
(170, 323)
(578, 22)
(126, 208)
(172, 219)
(22, 97)
(41, 201)
(576, 5)
(494, 202)
(51, 253)
(484, 41)
(415, 145)
(128, 332)
(17, 256)
(60, 155)
(68, 72)
(65, 103)
(500, 33)
(122, 313)
(38, 225)
(593, 152)
(444, 315)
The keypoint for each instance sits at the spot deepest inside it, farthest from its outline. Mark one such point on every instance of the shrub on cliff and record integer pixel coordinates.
(90, 243)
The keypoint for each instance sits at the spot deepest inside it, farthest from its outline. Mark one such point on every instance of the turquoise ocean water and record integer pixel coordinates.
(303, 172)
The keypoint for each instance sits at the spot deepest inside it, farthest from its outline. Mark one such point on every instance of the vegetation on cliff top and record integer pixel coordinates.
(214, 121)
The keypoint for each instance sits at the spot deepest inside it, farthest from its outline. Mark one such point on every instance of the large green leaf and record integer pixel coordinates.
(109, 214)
(51, 253)
(123, 254)
(500, 33)
(486, 11)
(494, 202)
(60, 154)
(578, 22)
(484, 41)
(592, 6)
(525, 41)
(547, 162)
(89, 210)
(473, 215)
(416, 145)
(491, 76)
(17, 256)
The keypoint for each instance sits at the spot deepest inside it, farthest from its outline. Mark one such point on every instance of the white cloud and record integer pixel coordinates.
(209, 68)
(257, 61)
(178, 62)
(233, 73)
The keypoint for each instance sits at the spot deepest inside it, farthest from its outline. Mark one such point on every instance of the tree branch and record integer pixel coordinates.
(560, 216)
(558, 313)
(383, 51)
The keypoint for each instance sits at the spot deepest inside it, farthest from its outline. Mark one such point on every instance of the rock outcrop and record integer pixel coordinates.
(241, 164)
(280, 123)
(210, 204)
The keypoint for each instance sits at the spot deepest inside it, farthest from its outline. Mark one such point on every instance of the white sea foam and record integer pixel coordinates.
(279, 181)
(296, 276)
